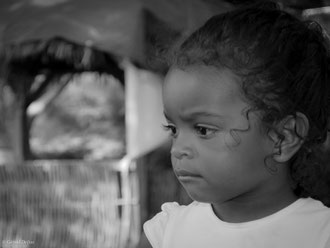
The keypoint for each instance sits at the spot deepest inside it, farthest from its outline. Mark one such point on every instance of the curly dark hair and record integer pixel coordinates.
(284, 66)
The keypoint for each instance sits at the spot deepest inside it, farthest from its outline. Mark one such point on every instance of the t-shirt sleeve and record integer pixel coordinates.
(327, 245)
(154, 229)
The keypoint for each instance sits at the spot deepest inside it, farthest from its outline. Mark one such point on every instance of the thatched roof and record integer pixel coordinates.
(61, 56)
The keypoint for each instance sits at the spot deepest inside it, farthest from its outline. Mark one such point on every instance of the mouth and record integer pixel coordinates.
(185, 174)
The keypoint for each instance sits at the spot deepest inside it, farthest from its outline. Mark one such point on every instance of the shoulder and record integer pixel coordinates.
(312, 210)
(172, 209)
(316, 207)
(155, 228)
(315, 218)
(169, 211)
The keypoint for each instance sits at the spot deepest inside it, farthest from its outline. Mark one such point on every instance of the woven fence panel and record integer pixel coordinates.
(54, 204)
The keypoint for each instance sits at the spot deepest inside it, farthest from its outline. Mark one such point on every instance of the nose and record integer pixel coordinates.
(180, 152)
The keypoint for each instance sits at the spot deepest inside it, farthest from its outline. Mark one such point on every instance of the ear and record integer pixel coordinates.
(289, 136)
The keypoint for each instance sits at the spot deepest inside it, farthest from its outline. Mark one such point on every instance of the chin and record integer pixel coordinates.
(207, 198)
(198, 196)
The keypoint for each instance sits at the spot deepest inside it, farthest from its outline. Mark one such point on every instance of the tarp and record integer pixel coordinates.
(108, 25)
(116, 26)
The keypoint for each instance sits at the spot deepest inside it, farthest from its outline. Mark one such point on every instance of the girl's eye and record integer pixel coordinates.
(171, 128)
(205, 132)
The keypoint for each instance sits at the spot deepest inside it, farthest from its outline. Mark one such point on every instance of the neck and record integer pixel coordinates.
(250, 207)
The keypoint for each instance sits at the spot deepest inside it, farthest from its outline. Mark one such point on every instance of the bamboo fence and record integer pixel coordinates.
(69, 204)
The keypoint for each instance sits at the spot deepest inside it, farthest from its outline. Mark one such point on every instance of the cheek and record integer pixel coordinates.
(174, 161)
(216, 158)
(230, 158)
(219, 150)
(227, 142)
(230, 173)
(220, 163)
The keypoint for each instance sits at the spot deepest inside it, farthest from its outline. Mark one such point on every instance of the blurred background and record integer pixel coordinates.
(83, 157)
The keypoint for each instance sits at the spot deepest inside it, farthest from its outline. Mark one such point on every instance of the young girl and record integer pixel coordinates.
(247, 101)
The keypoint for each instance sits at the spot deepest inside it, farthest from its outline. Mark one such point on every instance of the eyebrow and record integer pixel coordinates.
(195, 114)
(166, 116)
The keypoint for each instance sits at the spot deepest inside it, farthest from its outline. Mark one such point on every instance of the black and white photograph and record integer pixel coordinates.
(164, 124)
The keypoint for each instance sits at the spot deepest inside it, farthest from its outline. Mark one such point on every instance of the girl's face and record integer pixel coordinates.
(218, 151)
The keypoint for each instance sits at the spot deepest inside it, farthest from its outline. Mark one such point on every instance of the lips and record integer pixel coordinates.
(185, 173)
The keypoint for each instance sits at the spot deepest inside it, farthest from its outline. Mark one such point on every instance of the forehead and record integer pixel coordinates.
(203, 83)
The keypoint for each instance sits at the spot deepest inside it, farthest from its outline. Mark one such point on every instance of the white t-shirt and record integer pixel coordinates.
(303, 224)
